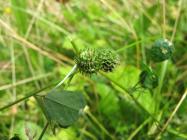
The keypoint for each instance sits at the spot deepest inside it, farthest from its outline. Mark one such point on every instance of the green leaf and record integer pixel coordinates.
(63, 107)
(128, 77)
(146, 99)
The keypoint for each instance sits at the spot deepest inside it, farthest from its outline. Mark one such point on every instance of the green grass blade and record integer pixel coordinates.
(21, 18)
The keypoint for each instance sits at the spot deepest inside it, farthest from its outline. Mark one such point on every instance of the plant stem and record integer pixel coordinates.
(99, 124)
(14, 89)
(67, 76)
(132, 97)
(142, 43)
(24, 81)
(164, 64)
(74, 46)
(164, 18)
(133, 134)
(178, 134)
(172, 115)
(26, 97)
(43, 131)
(142, 40)
(177, 20)
(161, 81)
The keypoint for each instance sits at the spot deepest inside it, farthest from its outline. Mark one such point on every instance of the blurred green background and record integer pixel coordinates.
(36, 50)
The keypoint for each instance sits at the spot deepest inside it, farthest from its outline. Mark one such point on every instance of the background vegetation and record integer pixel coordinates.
(36, 50)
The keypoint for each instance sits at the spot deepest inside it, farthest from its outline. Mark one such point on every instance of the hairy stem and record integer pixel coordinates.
(67, 76)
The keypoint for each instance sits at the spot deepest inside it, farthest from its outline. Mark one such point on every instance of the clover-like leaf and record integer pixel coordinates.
(63, 107)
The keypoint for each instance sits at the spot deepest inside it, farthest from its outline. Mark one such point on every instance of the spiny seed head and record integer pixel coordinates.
(161, 50)
(109, 59)
(148, 79)
(91, 60)
(87, 61)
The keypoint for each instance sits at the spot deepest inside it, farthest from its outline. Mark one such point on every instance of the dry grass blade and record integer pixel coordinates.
(21, 82)
(172, 115)
(177, 20)
(14, 89)
(59, 58)
(123, 22)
